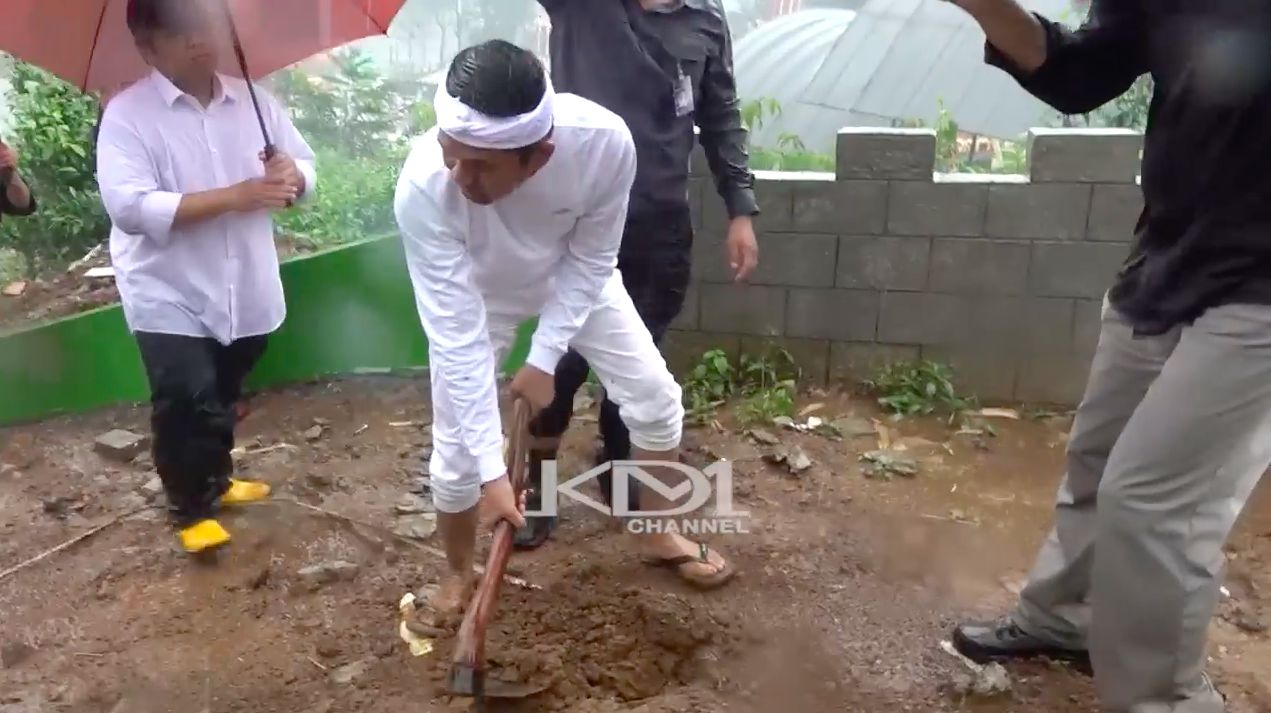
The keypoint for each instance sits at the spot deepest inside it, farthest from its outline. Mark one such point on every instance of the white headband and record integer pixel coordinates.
(469, 126)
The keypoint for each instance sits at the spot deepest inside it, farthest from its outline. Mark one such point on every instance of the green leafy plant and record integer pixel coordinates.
(421, 118)
(756, 111)
(352, 108)
(1013, 158)
(354, 200)
(51, 126)
(948, 156)
(766, 386)
(12, 266)
(790, 153)
(709, 385)
(360, 124)
(1127, 111)
(918, 388)
(1010, 156)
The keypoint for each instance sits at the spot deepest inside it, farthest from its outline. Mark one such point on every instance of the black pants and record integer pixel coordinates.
(194, 384)
(656, 263)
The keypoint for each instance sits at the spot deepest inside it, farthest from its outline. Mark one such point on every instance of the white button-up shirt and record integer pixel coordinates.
(218, 278)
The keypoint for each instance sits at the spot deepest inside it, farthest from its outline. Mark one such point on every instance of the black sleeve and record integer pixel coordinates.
(551, 6)
(1087, 67)
(723, 136)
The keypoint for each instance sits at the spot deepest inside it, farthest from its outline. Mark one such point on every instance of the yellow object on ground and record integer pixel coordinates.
(203, 535)
(419, 645)
(245, 491)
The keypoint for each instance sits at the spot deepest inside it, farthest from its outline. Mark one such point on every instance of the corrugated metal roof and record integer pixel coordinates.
(891, 59)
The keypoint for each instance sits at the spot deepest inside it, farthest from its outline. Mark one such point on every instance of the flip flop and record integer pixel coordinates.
(704, 582)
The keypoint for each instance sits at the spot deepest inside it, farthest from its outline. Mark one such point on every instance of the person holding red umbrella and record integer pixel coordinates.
(190, 195)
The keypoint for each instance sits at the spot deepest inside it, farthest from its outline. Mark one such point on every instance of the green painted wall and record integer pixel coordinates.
(349, 310)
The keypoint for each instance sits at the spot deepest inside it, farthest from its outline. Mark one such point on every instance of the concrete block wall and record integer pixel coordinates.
(1000, 276)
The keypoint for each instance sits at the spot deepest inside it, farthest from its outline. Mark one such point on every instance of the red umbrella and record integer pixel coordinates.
(87, 42)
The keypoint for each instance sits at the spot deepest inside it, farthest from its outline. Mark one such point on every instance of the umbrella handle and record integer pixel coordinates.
(270, 149)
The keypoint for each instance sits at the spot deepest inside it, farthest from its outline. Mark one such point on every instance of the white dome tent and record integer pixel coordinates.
(888, 61)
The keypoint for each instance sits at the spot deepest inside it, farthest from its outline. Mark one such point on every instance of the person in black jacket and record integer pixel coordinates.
(16, 197)
(1171, 436)
(665, 67)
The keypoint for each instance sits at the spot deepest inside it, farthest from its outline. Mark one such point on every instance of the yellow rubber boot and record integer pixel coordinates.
(203, 535)
(245, 491)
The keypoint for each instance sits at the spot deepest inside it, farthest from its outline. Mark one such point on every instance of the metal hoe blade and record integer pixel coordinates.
(467, 681)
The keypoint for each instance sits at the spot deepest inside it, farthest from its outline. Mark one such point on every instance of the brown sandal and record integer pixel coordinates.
(704, 582)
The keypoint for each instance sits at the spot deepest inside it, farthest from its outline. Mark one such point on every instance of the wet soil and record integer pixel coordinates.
(847, 586)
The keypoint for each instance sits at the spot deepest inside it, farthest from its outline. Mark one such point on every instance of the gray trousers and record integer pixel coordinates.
(1169, 441)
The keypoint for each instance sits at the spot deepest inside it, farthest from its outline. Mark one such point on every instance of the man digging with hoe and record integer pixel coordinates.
(514, 206)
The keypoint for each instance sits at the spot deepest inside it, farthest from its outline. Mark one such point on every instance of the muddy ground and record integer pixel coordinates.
(848, 583)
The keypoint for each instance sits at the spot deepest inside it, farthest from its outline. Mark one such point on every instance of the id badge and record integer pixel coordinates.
(683, 94)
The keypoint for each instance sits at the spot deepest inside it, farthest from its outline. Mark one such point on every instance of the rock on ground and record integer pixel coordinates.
(121, 445)
(315, 576)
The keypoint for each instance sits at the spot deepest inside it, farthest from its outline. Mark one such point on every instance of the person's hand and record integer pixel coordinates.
(743, 249)
(535, 386)
(8, 157)
(283, 168)
(263, 194)
(497, 503)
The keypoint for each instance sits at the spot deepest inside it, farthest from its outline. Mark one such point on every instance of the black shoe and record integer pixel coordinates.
(606, 483)
(537, 530)
(535, 534)
(1003, 640)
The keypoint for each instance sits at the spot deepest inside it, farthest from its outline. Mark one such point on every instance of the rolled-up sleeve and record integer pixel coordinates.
(290, 141)
(1087, 67)
(723, 136)
(592, 254)
(454, 319)
(129, 183)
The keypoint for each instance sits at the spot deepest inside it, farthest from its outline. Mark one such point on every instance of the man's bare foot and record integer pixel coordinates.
(694, 562)
(450, 598)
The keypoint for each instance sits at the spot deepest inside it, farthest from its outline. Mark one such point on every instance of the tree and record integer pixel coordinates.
(351, 109)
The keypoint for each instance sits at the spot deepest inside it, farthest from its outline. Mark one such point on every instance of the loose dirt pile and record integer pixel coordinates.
(586, 640)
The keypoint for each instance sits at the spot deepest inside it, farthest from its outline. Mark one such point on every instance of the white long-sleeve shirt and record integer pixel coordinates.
(217, 278)
(547, 249)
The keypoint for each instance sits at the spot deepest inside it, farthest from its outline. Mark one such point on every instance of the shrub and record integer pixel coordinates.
(354, 199)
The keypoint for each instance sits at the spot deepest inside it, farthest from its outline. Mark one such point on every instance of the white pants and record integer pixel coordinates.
(620, 351)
